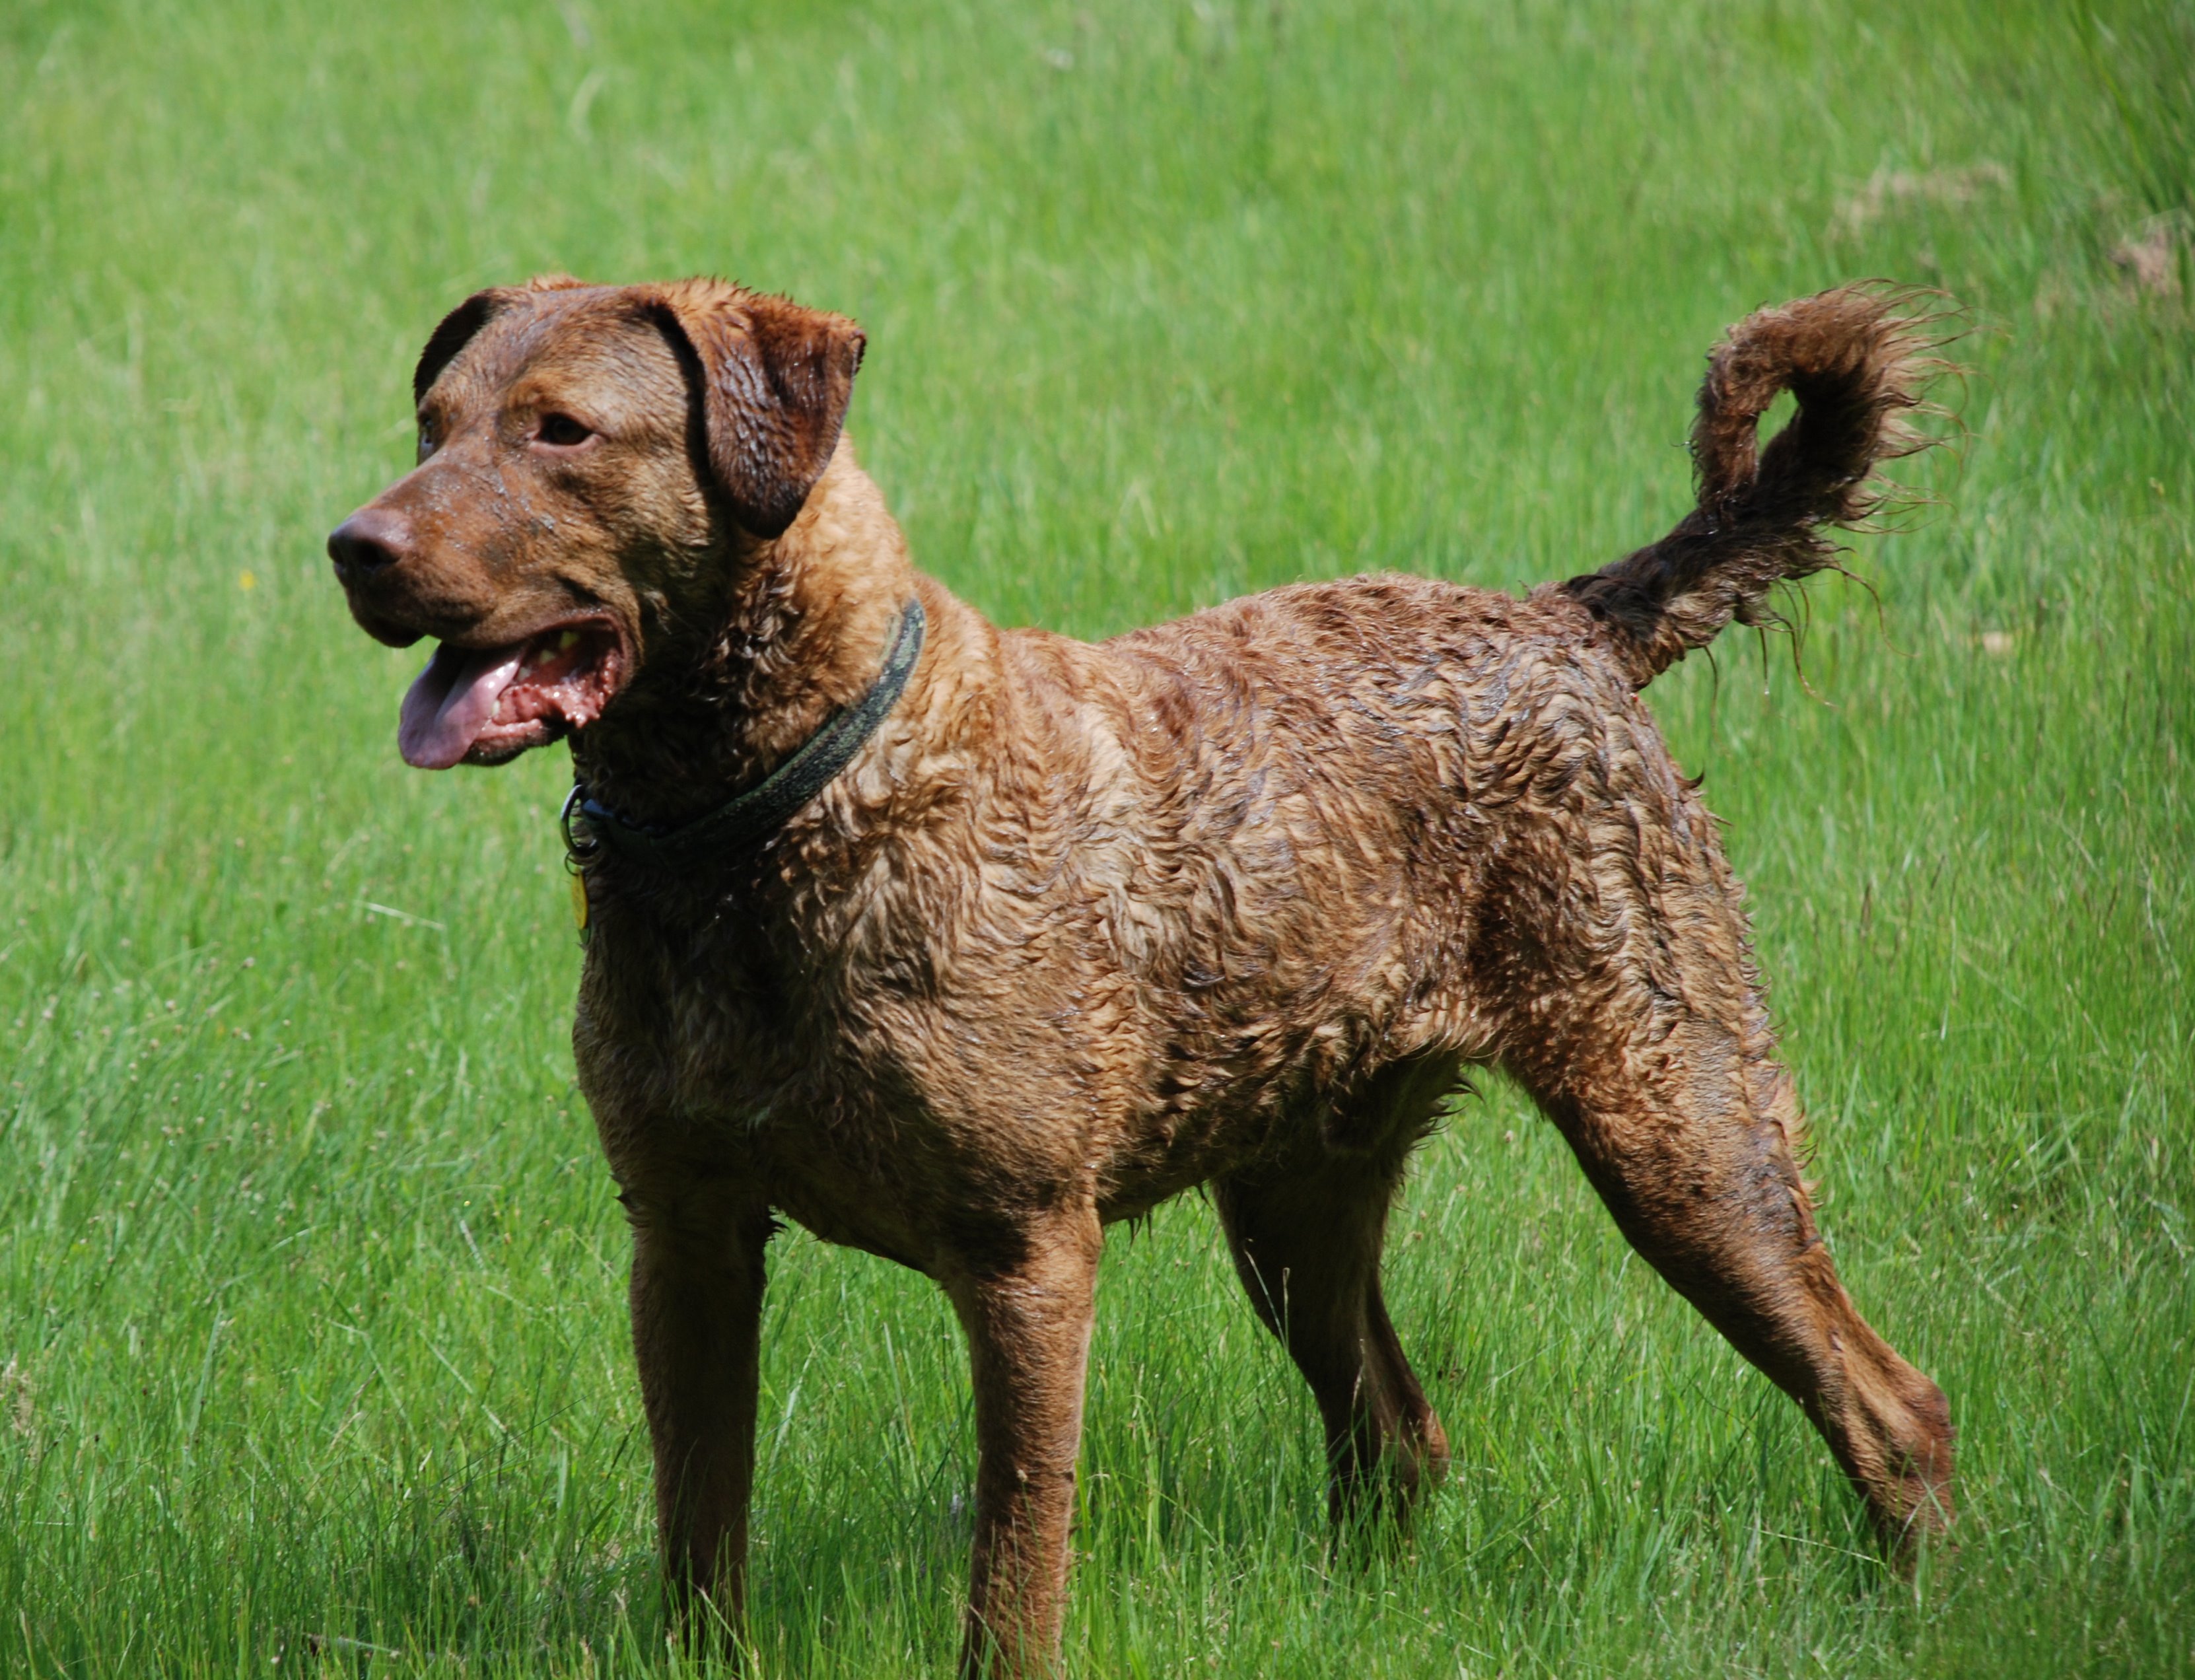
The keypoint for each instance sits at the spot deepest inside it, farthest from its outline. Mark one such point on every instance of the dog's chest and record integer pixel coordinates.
(705, 1046)
(693, 1014)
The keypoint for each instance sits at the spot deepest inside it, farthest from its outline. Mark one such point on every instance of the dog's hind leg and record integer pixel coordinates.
(697, 1291)
(1306, 1230)
(1656, 1063)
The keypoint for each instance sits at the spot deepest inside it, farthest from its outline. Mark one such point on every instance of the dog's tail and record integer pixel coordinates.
(1856, 359)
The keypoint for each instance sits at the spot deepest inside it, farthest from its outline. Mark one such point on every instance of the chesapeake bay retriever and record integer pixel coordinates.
(958, 943)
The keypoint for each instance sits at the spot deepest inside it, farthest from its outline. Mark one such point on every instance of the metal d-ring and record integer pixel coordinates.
(579, 855)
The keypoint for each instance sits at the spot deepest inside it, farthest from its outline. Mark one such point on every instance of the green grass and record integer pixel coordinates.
(310, 1279)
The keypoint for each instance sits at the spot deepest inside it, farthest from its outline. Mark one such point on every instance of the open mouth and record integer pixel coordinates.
(482, 705)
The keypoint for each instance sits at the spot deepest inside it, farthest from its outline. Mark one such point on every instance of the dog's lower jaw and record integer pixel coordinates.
(485, 704)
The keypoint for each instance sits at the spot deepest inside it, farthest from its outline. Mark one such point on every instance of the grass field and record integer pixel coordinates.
(312, 1354)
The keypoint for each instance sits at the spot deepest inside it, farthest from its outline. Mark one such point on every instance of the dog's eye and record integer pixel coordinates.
(561, 429)
(426, 441)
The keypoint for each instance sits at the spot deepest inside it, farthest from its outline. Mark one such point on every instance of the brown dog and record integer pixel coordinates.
(957, 944)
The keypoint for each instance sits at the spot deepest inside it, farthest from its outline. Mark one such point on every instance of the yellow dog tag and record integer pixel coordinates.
(580, 902)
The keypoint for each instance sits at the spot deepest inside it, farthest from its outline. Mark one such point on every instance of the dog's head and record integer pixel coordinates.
(591, 458)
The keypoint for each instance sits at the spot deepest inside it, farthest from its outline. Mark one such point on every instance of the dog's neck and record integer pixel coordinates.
(800, 629)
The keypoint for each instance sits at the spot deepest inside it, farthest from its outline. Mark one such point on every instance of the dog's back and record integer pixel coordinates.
(1341, 824)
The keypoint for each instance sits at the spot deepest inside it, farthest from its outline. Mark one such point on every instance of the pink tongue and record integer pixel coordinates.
(452, 701)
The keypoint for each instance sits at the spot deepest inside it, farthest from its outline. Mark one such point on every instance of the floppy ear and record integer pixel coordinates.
(459, 325)
(774, 379)
(455, 331)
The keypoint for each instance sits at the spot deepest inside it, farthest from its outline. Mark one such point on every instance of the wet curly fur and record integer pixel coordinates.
(1235, 901)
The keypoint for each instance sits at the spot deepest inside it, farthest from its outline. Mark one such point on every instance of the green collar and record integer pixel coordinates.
(747, 818)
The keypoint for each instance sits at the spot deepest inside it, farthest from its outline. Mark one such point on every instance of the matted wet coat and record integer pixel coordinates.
(1235, 900)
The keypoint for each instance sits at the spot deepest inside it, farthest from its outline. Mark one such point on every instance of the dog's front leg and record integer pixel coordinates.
(1028, 1322)
(697, 1288)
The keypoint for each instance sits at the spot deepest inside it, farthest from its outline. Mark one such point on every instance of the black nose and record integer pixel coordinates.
(370, 540)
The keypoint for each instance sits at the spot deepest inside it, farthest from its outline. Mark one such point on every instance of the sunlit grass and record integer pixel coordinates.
(312, 1353)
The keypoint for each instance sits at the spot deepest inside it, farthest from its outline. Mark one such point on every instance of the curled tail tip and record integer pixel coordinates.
(1858, 359)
